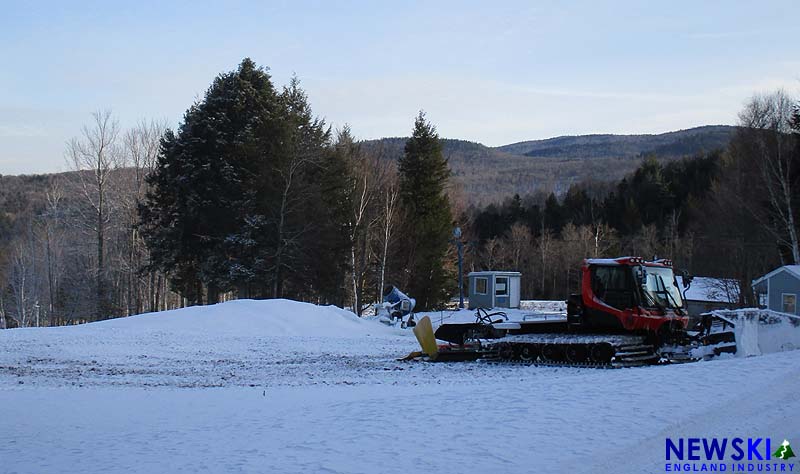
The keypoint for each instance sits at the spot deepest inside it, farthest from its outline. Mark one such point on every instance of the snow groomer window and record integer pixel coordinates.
(610, 284)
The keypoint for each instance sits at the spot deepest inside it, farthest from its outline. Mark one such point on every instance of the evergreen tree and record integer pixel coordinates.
(246, 196)
(651, 193)
(293, 216)
(285, 245)
(578, 206)
(428, 220)
(554, 218)
(206, 184)
(489, 223)
(514, 210)
(533, 219)
(326, 244)
(166, 219)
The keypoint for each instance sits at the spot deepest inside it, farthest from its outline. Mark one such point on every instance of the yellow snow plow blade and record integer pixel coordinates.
(427, 341)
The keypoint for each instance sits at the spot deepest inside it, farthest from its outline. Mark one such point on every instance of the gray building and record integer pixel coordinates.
(779, 289)
(494, 289)
(707, 294)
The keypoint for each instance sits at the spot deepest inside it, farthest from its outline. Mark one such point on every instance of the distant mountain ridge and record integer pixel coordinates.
(669, 144)
(489, 174)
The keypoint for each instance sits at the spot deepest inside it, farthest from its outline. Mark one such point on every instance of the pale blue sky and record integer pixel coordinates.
(493, 72)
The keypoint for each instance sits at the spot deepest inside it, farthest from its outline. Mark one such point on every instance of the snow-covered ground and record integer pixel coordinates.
(280, 386)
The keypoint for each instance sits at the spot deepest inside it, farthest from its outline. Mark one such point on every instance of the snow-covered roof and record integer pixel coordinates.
(494, 272)
(714, 290)
(793, 270)
(628, 261)
(603, 261)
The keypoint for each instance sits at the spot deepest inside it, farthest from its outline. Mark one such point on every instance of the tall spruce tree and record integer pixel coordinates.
(246, 196)
(294, 217)
(325, 263)
(206, 184)
(428, 220)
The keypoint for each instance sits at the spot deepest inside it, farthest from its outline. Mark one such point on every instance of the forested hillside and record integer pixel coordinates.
(486, 175)
(668, 145)
(730, 213)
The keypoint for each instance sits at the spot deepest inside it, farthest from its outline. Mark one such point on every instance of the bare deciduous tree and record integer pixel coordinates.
(516, 245)
(51, 229)
(388, 222)
(766, 139)
(371, 180)
(95, 157)
(141, 147)
(24, 279)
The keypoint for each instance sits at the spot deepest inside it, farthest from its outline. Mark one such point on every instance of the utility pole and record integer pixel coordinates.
(460, 247)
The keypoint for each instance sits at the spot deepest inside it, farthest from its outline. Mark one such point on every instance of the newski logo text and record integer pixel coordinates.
(727, 455)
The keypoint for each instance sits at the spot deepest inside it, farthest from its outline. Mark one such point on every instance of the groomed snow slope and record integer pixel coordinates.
(220, 389)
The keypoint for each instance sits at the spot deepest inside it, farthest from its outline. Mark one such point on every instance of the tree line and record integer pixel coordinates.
(70, 250)
(729, 213)
(252, 196)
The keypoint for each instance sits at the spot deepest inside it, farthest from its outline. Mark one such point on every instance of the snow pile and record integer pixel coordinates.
(239, 343)
(761, 331)
(249, 317)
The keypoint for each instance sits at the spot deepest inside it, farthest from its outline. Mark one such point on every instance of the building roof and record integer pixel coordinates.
(629, 261)
(793, 270)
(494, 272)
(711, 290)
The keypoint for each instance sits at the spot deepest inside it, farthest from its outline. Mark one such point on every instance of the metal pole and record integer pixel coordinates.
(460, 246)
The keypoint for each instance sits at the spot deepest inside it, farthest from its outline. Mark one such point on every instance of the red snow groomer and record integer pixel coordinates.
(629, 312)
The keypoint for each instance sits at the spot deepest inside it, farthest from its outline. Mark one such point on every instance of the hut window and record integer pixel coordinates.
(789, 303)
(501, 286)
(480, 285)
